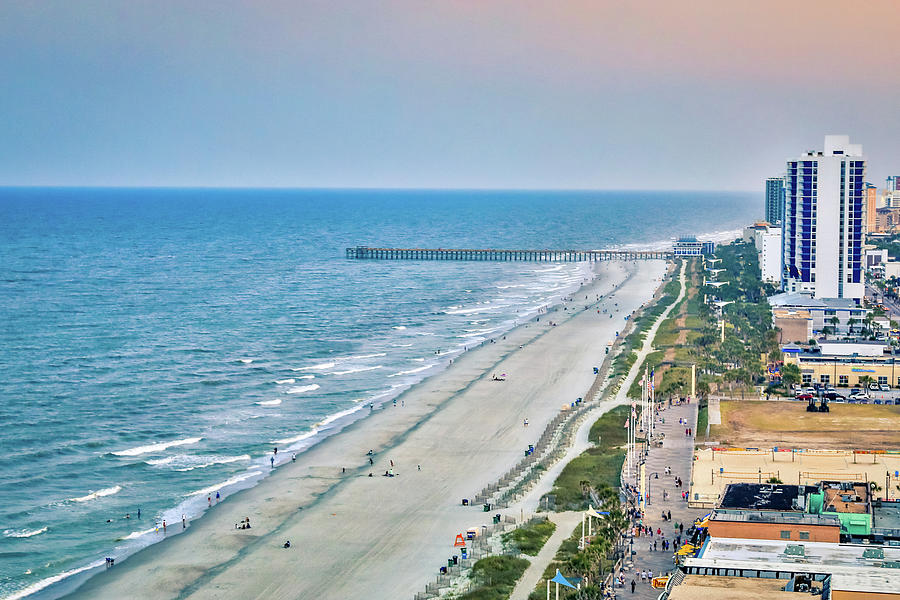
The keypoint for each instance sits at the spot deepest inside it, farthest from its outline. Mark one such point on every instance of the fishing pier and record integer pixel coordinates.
(365, 252)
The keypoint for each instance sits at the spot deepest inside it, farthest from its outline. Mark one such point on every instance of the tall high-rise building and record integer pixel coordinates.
(871, 208)
(823, 221)
(775, 200)
(893, 183)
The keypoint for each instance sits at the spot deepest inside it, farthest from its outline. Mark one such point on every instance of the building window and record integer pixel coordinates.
(844, 380)
(826, 379)
(802, 535)
(807, 378)
(882, 380)
(785, 535)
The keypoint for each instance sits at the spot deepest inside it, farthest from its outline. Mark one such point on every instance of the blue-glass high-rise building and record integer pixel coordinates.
(824, 220)
(775, 200)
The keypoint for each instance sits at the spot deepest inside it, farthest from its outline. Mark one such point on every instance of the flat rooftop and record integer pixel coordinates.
(766, 496)
(757, 516)
(846, 497)
(849, 568)
(886, 514)
(730, 588)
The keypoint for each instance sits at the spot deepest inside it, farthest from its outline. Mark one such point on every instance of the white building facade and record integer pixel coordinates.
(768, 245)
(824, 221)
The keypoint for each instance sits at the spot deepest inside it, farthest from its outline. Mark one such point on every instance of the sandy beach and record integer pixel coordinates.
(355, 536)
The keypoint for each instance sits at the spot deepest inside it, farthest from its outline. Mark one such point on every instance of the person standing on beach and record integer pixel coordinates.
(183, 522)
(294, 457)
(272, 461)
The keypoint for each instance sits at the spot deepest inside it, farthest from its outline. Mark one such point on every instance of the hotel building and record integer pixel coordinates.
(823, 221)
(775, 200)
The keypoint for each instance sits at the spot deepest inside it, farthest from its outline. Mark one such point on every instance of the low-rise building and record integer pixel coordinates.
(824, 570)
(690, 246)
(844, 370)
(835, 313)
(793, 325)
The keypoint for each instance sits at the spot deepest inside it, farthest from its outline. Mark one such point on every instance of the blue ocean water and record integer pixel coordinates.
(158, 343)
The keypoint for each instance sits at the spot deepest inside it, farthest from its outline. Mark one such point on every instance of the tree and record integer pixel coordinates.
(790, 374)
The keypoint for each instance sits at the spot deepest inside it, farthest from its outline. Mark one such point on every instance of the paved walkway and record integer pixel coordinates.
(565, 523)
(676, 453)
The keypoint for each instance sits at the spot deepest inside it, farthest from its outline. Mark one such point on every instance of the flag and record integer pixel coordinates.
(627, 422)
(651, 379)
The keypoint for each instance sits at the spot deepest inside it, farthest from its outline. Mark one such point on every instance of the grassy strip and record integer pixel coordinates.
(569, 560)
(702, 418)
(496, 577)
(607, 431)
(597, 466)
(531, 537)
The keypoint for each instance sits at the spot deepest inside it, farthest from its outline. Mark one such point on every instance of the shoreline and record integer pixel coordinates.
(332, 425)
(318, 469)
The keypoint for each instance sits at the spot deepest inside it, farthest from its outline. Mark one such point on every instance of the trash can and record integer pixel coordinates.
(443, 570)
(465, 502)
(487, 507)
(497, 518)
(455, 559)
(449, 562)
(464, 552)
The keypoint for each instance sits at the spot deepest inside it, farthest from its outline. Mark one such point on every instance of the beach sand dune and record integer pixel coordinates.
(355, 536)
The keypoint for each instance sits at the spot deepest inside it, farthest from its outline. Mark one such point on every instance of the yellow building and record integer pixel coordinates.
(844, 364)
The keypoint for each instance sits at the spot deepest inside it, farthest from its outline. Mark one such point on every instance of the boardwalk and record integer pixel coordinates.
(365, 252)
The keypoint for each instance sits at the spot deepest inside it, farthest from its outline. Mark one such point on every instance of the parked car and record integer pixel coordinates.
(859, 395)
(806, 397)
(856, 391)
(834, 396)
(810, 390)
(885, 387)
(874, 387)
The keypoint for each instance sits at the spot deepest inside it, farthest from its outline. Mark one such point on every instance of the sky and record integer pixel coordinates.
(602, 94)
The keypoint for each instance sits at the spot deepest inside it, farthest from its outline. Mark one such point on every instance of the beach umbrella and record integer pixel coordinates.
(558, 579)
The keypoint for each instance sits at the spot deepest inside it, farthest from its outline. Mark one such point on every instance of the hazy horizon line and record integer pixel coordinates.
(367, 188)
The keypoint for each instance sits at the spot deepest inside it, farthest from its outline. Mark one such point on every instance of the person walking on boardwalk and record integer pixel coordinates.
(633, 585)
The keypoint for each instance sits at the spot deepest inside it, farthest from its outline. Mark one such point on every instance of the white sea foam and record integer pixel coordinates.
(218, 486)
(302, 388)
(401, 345)
(246, 361)
(418, 359)
(23, 533)
(274, 402)
(320, 425)
(98, 494)
(284, 381)
(399, 327)
(136, 534)
(338, 415)
(359, 370)
(189, 462)
(296, 438)
(412, 371)
(43, 583)
(223, 460)
(156, 447)
(361, 356)
(319, 367)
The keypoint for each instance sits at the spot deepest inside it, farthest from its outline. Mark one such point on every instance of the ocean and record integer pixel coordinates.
(157, 344)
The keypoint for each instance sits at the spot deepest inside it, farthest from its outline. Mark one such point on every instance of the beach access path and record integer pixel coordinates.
(356, 536)
(565, 524)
